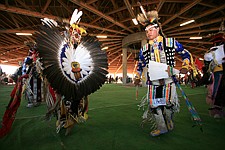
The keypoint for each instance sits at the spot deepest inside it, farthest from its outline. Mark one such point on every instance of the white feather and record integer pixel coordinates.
(76, 16)
(73, 16)
(47, 20)
(80, 55)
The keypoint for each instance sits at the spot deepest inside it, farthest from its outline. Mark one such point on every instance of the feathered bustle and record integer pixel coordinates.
(57, 56)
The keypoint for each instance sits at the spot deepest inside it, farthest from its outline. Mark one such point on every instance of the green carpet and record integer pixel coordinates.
(113, 124)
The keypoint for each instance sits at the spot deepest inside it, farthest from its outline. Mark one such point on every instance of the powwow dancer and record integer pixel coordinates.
(137, 82)
(214, 64)
(157, 55)
(33, 85)
(71, 67)
(74, 66)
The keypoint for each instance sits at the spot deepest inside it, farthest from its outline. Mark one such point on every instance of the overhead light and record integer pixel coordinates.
(135, 21)
(23, 34)
(201, 58)
(185, 23)
(196, 38)
(104, 48)
(5, 61)
(101, 36)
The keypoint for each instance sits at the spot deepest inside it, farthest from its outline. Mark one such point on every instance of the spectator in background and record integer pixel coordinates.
(1, 71)
(4, 79)
(116, 79)
(110, 79)
(137, 83)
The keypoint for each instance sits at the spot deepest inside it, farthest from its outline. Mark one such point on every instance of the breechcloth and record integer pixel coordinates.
(159, 95)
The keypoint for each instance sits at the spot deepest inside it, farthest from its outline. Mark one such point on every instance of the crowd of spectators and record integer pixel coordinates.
(5, 78)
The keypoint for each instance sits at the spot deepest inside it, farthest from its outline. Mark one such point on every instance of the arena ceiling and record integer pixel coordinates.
(112, 18)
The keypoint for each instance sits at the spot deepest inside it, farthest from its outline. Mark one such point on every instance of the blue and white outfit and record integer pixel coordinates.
(161, 96)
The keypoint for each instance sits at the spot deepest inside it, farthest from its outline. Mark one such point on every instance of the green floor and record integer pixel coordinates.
(113, 124)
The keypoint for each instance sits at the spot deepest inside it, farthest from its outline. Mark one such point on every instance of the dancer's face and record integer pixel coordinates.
(152, 32)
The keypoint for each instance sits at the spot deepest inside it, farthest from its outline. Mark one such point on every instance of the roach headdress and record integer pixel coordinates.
(149, 18)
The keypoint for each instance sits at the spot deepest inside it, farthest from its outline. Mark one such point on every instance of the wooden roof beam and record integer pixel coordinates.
(197, 48)
(108, 39)
(27, 12)
(39, 15)
(111, 43)
(198, 17)
(88, 2)
(108, 35)
(195, 31)
(114, 52)
(92, 9)
(14, 20)
(115, 6)
(11, 46)
(129, 8)
(193, 41)
(115, 59)
(12, 40)
(116, 47)
(65, 6)
(197, 25)
(23, 4)
(183, 10)
(46, 6)
(17, 31)
(159, 6)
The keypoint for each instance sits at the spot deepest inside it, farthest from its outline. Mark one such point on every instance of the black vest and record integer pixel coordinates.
(168, 46)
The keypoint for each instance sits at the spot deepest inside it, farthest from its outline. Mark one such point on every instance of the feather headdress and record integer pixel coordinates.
(148, 18)
(75, 19)
(76, 31)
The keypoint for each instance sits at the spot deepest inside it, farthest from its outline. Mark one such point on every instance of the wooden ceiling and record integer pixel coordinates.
(112, 18)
